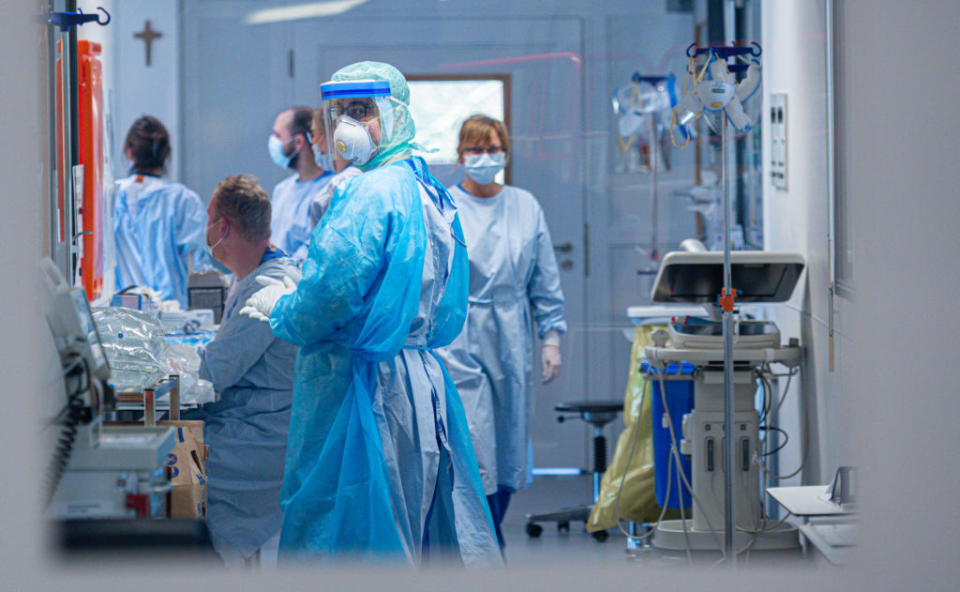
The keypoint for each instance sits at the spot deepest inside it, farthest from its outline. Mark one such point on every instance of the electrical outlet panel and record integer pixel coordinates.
(778, 140)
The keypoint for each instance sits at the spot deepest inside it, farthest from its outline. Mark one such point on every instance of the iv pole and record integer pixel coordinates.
(67, 165)
(730, 522)
(726, 299)
(729, 507)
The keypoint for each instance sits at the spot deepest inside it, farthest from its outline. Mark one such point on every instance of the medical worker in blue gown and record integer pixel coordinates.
(379, 465)
(514, 291)
(290, 147)
(252, 372)
(158, 225)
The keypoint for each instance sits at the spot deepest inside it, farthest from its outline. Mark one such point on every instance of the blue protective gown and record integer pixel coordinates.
(156, 226)
(513, 284)
(290, 213)
(246, 429)
(379, 455)
(321, 200)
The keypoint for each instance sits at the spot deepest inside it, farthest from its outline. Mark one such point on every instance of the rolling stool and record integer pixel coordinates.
(599, 414)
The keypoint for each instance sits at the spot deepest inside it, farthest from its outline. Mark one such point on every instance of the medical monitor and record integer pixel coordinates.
(88, 328)
(758, 276)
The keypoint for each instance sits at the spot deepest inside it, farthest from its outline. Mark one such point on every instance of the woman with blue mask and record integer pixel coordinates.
(514, 284)
(158, 225)
(379, 461)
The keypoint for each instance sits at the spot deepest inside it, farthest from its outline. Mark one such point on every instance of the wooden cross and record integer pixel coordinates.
(148, 35)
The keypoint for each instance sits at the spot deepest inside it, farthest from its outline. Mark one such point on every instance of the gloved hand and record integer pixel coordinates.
(261, 303)
(550, 355)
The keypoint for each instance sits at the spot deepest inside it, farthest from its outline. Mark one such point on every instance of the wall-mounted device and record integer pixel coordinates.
(778, 140)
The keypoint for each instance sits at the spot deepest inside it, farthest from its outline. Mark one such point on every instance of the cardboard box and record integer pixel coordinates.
(188, 496)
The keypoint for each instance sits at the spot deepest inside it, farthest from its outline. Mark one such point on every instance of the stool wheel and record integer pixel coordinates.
(534, 530)
(600, 536)
(563, 526)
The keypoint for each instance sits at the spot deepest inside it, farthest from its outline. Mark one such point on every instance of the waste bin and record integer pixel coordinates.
(678, 382)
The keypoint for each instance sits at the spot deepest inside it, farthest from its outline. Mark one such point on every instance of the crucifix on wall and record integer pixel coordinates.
(148, 35)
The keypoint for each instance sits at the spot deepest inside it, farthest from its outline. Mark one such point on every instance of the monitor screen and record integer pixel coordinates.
(89, 329)
(702, 281)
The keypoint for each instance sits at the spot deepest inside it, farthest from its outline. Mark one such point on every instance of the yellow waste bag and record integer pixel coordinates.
(638, 502)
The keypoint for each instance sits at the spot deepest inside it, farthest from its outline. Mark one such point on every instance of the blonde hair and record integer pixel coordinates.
(476, 129)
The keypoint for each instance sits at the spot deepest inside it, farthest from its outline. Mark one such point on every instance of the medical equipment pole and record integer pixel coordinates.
(831, 185)
(67, 68)
(730, 522)
(728, 458)
(653, 185)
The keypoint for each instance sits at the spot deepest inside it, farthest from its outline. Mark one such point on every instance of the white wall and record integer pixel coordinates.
(138, 89)
(796, 219)
(25, 170)
(891, 407)
(901, 140)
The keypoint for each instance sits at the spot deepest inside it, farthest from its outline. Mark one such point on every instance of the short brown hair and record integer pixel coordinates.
(241, 200)
(300, 118)
(477, 128)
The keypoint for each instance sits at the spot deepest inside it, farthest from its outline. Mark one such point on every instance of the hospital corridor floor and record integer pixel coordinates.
(550, 493)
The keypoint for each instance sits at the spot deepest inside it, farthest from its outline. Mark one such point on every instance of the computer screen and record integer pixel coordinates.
(698, 277)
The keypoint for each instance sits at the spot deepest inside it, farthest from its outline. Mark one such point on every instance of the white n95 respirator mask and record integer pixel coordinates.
(482, 168)
(352, 140)
(715, 94)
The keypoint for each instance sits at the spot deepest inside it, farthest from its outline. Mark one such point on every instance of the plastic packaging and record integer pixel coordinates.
(134, 345)
(184, 360)
(638, 501)
(139, 354)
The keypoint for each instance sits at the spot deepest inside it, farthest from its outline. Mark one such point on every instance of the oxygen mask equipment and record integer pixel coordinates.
(718, 91)
(716, 97)
(687, 110)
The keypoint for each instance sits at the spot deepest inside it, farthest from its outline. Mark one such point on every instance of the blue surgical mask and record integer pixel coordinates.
(275, 147)
(482, 168)
(324, 161)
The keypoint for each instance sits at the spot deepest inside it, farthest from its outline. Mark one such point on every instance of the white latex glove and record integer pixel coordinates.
(550, 356)
(261, 303)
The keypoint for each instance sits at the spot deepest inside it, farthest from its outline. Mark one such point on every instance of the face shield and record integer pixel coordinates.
(360, 113)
